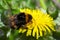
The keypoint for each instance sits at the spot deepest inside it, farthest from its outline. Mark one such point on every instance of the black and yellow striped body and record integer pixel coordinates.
(20, 20)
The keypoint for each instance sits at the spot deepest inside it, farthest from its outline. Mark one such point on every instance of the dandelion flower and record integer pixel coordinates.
(41, 23)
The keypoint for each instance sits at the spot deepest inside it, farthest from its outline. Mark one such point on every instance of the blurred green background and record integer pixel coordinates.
(11, 7)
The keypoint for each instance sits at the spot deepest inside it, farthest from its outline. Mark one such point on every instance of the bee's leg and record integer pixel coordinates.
(24, 26)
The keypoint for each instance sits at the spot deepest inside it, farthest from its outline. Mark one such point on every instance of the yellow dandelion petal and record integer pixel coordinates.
(47, 28)
(43, 28)
(37, 34)
(28, 32)
(30, 26)
(44, 33)
(40, 31)
(23, 30)
(20, 30)
(34, 31)
(51, 26)
(39, 25)
(41, 34)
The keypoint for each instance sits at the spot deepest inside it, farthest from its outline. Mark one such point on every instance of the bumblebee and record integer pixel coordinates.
(19, 20)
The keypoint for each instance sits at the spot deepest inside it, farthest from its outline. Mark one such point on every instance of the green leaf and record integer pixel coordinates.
(53, 12)
(15, 11)
(4, 30)
(56, 35)
(32, 4)
(42, 4)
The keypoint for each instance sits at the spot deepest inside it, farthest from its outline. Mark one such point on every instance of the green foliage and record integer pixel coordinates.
(56, 35)
(11, 7)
